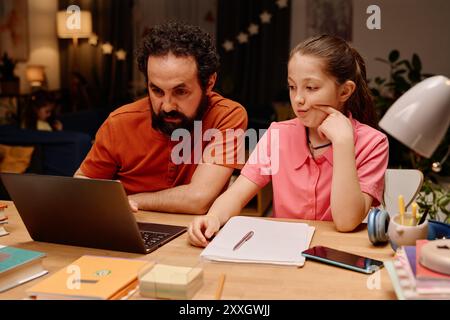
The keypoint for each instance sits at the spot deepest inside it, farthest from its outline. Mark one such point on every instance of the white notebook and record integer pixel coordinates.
(273, 242)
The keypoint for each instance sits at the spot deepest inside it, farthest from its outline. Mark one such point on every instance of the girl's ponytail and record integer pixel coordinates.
(360, 104)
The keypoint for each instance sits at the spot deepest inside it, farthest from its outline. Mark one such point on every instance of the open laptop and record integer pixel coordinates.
(83, 212)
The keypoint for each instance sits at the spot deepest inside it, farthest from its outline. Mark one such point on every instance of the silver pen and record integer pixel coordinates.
(243, 240)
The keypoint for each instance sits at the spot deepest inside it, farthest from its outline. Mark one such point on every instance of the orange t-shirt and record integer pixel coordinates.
(127, 147)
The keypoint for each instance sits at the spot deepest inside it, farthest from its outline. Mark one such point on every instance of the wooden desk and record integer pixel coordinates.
(313, 281)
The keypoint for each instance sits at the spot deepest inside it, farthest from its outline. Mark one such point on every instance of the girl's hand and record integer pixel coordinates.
(336, 127)
(57, 125)
(202, 229)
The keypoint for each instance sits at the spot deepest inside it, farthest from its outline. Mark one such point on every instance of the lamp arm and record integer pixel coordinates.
(437, 166)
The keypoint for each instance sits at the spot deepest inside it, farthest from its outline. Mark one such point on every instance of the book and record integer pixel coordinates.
(18, 266)
(404, 282)
(427, 280)
(91, 278)
(272, 242)
(171, 282)
(3, 220)
(410, 252)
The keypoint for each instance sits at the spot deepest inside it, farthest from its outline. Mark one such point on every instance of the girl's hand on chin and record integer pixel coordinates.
(336, 127)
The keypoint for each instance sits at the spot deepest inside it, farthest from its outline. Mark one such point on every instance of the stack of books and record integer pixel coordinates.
(411, 280)
(18, 266)
(3, 220)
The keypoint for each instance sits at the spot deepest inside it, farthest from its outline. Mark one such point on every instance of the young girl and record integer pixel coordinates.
(40, 113)
(327, 163)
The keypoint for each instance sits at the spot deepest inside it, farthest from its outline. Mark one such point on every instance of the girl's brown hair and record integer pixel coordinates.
(343, 63)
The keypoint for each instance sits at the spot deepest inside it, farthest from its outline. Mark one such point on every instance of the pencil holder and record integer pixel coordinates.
(403, 231)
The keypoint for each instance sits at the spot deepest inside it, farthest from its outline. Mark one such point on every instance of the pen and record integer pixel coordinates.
(414, 213)
(243, 240)
(401, 208)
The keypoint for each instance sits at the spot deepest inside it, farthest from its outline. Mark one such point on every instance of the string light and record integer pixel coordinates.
(253, 29)
(107, 48)
(121, 54)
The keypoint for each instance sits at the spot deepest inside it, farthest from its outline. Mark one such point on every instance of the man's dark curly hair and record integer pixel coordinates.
(181, 40)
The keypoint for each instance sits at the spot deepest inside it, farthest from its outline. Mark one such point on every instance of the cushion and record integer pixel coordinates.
(15, 159)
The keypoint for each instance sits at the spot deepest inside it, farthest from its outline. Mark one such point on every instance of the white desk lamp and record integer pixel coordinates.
(419, 119)
(421, 116)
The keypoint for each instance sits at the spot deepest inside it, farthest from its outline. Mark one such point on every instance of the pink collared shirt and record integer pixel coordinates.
(302, 184)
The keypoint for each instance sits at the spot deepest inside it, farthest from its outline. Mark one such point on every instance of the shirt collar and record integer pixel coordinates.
(302, 144)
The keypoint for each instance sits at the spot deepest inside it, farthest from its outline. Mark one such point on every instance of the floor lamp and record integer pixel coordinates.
(66, 30)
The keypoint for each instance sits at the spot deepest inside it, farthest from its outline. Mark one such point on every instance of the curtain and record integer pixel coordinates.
(254, 72)
(95, 79)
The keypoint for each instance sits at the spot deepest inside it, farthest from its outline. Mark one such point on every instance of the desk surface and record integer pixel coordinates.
(313, 281)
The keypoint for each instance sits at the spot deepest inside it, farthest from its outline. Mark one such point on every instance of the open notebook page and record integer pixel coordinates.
(273, 242)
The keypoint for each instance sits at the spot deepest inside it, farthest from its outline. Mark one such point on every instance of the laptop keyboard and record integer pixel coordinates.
(152, 238)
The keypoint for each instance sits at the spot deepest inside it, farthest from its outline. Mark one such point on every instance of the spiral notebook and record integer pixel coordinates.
(272, 242)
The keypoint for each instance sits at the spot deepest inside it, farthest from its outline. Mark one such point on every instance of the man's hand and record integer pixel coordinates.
(133, 204)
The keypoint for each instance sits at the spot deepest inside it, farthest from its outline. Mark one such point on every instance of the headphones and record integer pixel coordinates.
(377, 226)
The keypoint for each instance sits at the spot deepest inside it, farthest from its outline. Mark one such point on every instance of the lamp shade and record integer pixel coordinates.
(420, 117)
(66, 30)
(35, 75)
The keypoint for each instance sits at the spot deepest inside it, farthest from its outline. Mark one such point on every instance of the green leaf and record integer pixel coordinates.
(382, 60)
(394, 55)
(444, 201)
(414, 76)
(417, 64)
(379, 81)
(398, 72)
(375, 92)
(406, 63)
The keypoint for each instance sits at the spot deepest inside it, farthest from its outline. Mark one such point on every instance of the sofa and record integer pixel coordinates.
(55, 153)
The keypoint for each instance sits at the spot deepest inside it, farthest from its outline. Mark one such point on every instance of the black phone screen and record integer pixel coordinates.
(343, 259)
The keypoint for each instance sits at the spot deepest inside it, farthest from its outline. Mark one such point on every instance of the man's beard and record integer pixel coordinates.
(167, 128)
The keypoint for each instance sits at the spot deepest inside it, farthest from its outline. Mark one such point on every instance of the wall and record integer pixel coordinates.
(411, 26)
(43, 43)
(148, 13)
(408, 25)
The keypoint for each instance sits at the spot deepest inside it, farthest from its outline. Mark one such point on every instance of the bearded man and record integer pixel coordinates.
(134, 145)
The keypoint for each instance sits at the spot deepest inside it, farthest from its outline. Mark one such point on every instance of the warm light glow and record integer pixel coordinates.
(93, 39)
(107, 48)
(121, 54)
(84, 30)
(35, 75)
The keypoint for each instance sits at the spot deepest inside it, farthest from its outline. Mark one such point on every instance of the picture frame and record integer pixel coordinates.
(332, 17)
(14, 34)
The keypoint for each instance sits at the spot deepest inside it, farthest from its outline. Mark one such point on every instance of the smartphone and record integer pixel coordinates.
(343, 259)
